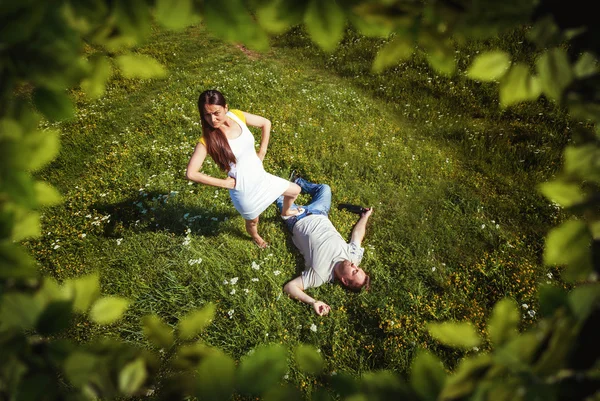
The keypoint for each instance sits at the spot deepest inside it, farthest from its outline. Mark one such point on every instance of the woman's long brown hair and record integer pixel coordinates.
(216, 142)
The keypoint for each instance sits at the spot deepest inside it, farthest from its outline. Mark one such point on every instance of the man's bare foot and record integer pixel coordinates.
(261, 243)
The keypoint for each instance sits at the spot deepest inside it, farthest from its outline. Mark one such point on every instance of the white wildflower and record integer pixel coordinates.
(531, 313)
(255, 265)
(119, 240)
(233, 280)
(313, 327)
(230, 313)
(277, 272)
(525, 306)
(232, 291)
(255, 279)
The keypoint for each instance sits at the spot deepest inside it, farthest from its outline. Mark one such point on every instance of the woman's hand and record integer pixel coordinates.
(229, 182)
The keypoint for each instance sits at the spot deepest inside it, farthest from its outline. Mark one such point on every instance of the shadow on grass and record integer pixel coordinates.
(156, 212)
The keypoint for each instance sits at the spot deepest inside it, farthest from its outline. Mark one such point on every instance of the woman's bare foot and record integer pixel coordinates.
(261, 243)
(293, 212)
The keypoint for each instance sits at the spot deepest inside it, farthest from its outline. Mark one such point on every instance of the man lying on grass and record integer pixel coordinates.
(328, 257)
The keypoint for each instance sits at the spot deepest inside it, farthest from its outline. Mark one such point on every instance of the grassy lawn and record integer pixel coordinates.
(458, 222)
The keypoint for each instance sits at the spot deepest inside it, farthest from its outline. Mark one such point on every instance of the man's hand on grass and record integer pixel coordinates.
(321, 308)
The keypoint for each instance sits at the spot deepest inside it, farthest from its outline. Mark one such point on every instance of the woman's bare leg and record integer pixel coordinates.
(252, 229)
(289, 196)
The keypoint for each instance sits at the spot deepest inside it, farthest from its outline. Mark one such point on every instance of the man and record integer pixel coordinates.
(328, 257)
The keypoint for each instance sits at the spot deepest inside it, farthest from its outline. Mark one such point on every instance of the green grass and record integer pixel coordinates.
(458, 222)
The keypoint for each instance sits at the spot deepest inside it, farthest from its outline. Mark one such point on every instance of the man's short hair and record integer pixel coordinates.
(366, 285)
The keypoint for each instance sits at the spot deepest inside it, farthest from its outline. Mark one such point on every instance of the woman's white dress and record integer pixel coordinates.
(255, 189)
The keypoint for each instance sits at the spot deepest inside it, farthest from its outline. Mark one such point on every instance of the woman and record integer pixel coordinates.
(227, 139)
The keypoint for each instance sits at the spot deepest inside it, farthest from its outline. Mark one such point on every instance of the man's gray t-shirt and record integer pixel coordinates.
(322, 247)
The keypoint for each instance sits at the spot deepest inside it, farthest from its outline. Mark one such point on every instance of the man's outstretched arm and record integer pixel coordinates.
(295, 289)
(359, 230)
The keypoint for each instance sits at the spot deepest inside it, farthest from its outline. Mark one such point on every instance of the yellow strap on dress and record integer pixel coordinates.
(238, 114)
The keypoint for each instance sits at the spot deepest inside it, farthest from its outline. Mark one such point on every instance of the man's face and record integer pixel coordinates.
(352, 275)
(215, 115)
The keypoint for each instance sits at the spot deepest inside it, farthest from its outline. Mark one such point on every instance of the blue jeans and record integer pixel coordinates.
(320, 202)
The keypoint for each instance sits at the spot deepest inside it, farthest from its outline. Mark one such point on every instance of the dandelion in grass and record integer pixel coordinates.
(313, 327)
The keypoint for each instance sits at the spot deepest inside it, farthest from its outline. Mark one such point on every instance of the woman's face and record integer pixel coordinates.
(215, 115)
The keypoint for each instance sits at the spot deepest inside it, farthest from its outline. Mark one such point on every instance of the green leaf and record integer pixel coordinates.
(551, 299)
(80, 367)
(427, 375)
(382, 385)
(140, 66)
(454, 334)
(133, 19)
(583, 162)
(231, 21)
(42, 148)
(466, 377)
(46, 194)
(489, 66)
(216, 376)
(570, 244)
(132, 376)
(370, 28)
(26, 225)
(586, 66)
(157, 332)
(277, 16)
(107, 310)
(518, 85)
(544, 32)
(584, 299)
(325, 22)
(175, 14)
(308, 359)
(555, 350)
(564, 193)
(398, 49)
(16, 262)
(55, 318)
(95, 84)
(55, 106)
(194, 322)
(555, 72)
(83, 290)
(518, 353)
(502, 325)
(262, 369)
(288, 392)
(439, 52)
(19, 311)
